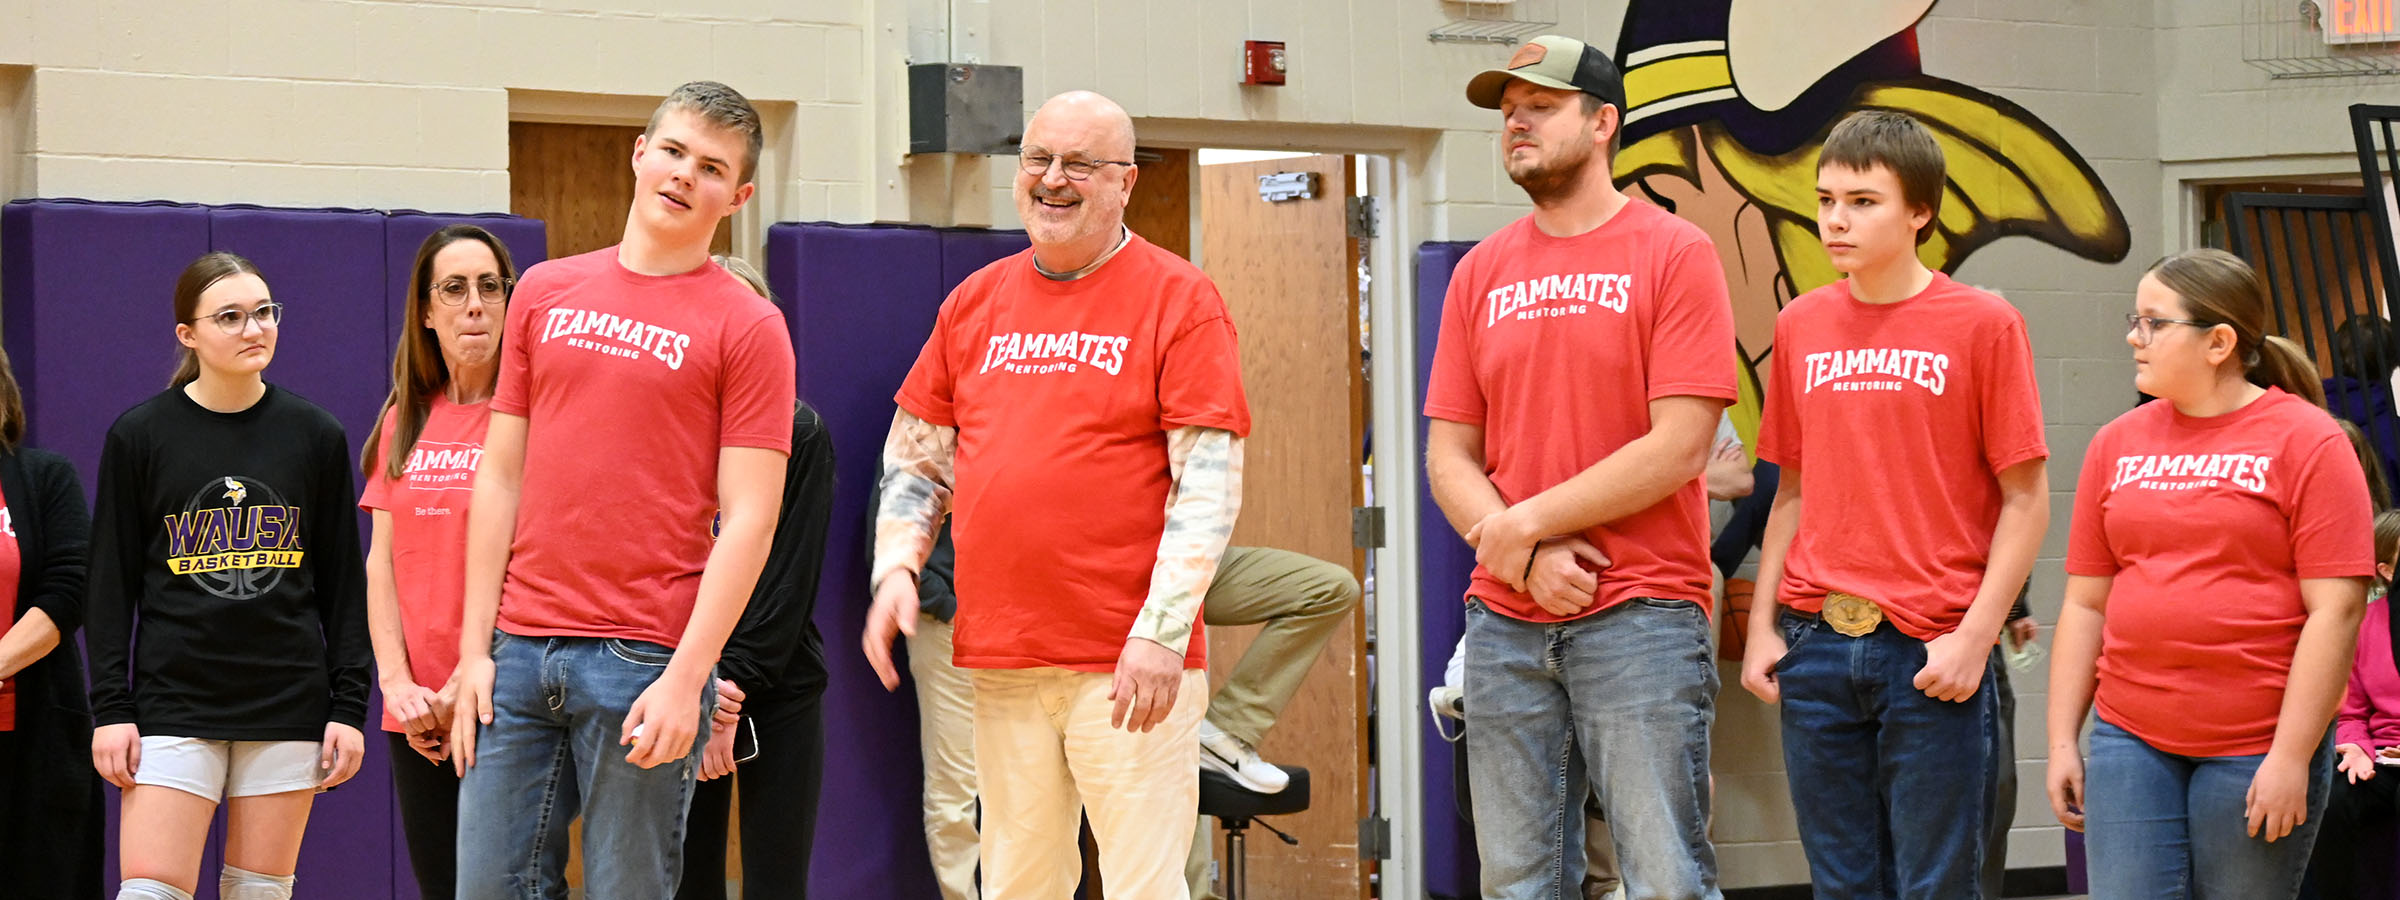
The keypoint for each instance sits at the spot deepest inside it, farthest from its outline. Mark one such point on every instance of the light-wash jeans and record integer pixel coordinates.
(550, 753)
(2167, 827)
(1635, 689)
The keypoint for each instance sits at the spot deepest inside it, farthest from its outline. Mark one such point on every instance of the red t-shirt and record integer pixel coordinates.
(630, 385)
(428, 541)
(2208, 526)
(1062, 393)
(1915, 407)
(11, 571)
(1556, 346)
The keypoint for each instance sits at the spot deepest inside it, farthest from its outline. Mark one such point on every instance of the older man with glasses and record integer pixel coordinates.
(1079, 411)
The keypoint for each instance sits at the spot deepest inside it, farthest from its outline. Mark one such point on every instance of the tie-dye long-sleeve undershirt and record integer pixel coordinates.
(1204, 464)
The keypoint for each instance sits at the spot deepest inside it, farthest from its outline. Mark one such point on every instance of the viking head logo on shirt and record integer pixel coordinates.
(232, 548)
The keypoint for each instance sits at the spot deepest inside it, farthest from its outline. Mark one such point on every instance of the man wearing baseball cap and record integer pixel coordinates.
(1586, 352)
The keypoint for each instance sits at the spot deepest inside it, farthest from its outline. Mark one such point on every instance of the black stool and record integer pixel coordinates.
(1235, 805)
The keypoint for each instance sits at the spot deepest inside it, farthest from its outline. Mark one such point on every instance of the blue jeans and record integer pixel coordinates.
(1634, 687)
(550, 753)
(2167, 827)
(1893, 789)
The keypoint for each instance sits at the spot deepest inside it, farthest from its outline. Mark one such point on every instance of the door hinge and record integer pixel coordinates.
(1361, 217)
(1374, 838)
(1283, 186)
(1366, 527)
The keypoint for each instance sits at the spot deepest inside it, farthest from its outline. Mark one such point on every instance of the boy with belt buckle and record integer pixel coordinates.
(1920, 391)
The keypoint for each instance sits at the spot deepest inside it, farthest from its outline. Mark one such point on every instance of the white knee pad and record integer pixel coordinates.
(149, 889)
(237, 883)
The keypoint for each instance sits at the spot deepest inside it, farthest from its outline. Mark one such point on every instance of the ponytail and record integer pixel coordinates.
(2282, 364)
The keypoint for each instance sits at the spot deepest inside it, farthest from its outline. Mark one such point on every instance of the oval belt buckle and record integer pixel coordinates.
(1852, 615)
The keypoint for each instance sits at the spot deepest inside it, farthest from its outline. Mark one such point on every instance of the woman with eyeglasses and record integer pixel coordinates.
(2217, 566)
(227, 604)
(419, 467)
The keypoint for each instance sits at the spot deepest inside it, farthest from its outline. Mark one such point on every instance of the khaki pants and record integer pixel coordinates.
(1044, 736)
(1301, 600)
(946, 735)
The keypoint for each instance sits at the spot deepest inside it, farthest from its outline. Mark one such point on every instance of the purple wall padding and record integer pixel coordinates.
(79, 279)
(86, 289)
(861, 301)
(1444, 563)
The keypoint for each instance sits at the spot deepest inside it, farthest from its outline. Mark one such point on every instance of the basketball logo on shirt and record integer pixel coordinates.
(615, 335)
(231, 547)
(1881, 368)
(1041, 353)
(2186, 471)
(1552, 296)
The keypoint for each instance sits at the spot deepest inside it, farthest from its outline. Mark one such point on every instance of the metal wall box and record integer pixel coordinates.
(965, 108)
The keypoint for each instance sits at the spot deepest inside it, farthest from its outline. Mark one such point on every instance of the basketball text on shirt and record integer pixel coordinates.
(637, 337)
(2183, 471)
(218, 538)
(1924, 368)
(1571, 295)
(1035, 353)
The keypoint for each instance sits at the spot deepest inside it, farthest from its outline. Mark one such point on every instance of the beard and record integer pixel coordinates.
(1554, 177)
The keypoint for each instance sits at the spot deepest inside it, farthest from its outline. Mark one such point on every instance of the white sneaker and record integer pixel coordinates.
(1225, 754)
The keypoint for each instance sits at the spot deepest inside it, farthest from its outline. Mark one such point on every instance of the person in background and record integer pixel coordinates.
(419, 467)
(50, 801)
(767, 737)
(2366, 735)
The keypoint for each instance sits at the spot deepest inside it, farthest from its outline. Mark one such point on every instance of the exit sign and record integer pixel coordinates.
(2357, 21)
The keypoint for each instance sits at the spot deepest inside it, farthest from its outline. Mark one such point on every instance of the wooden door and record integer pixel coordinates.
(1289, 273)
(578, 179)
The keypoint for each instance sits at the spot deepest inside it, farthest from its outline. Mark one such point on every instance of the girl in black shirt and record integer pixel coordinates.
(224, 521)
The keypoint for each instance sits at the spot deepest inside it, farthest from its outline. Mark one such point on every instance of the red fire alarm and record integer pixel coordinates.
(1263, 62)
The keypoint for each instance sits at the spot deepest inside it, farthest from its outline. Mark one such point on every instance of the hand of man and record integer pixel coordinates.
(1954, 665)
(1561, 585)
(1503, 544)
(893, 612)
(471, 683)
(1147, 677)
(668, 716)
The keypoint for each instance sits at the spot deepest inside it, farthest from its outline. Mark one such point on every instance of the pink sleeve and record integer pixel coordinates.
(513, 395)
(926, 393)
(2088, 549)
(1452, 393)
(2012, 398)
(2333, 523)
(1691, 341)
(1200, 374)
(1778, 423)
(757, 388)
(2350, 727)
(378, 492)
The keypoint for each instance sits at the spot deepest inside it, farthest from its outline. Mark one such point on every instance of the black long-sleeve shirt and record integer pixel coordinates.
(231, 539)
(775, 650)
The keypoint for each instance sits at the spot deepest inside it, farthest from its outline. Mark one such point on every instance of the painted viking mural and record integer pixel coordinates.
(1728, 100)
